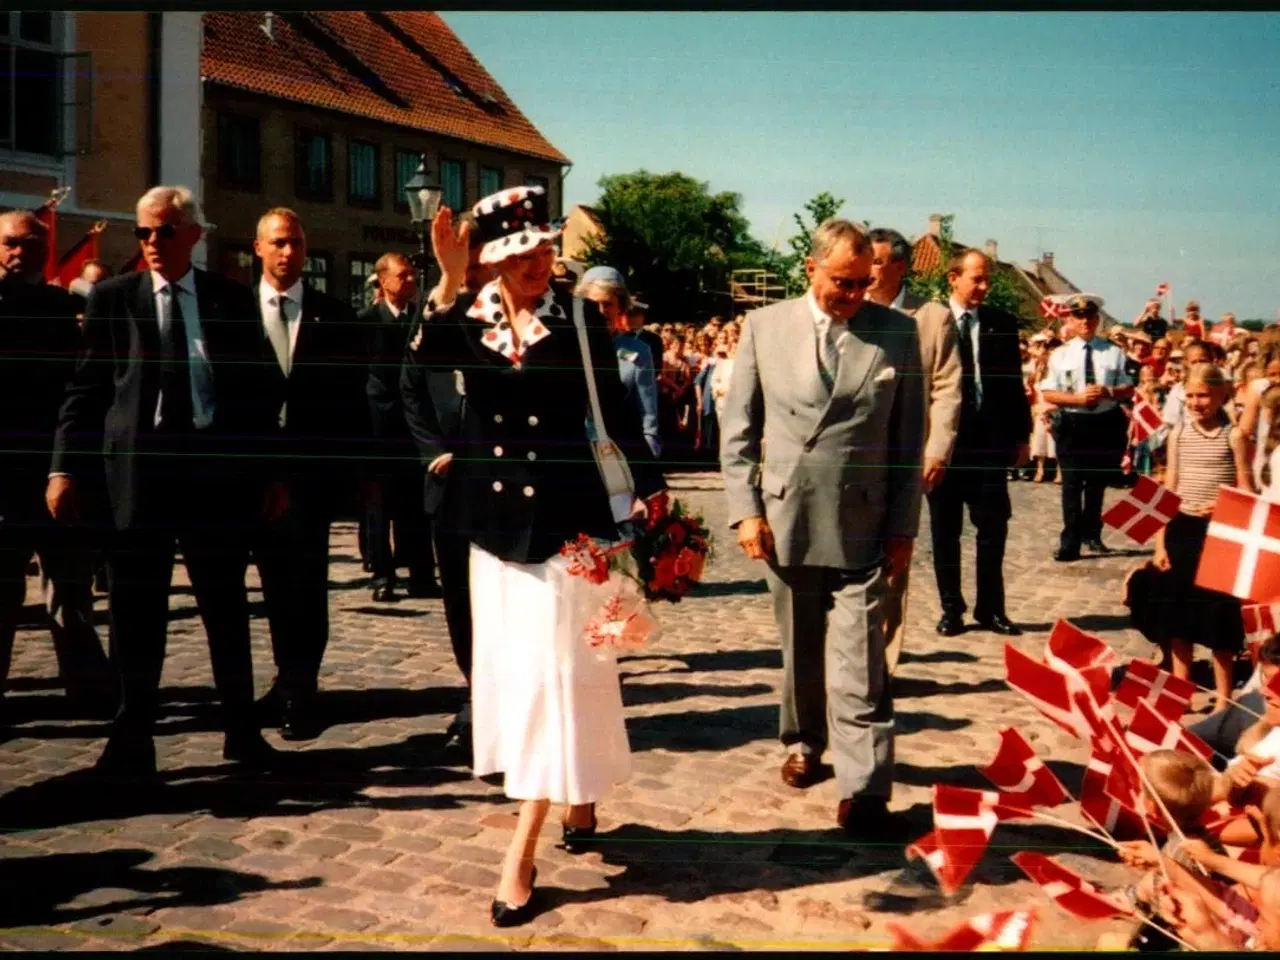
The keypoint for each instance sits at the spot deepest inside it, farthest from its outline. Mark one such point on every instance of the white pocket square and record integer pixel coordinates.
(888, 373)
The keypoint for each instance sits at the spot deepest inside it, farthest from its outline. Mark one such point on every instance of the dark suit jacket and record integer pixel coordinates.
(39, 342)
(386, 337)
(327, 440)
(529, 481)
(107, 417)
(434, 411)
(1004, 422)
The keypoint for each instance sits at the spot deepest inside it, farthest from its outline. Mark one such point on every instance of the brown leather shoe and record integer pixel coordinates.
(800, 770)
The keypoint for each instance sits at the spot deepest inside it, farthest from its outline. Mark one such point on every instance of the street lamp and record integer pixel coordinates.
(423, 195)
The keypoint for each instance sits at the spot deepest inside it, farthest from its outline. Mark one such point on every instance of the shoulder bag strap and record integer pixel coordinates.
(597, 415)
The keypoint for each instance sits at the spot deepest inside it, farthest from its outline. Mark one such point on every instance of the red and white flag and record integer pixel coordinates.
(1006, 930)
(1143, 511)
(963, 822)
(1072, 892)
(1054, 307)
(1261, 622)
(1146, 419)
(1221, 815)
(1162, 290)
(1241, 554)
(1149, 731)
(1118, 818)
(1162, 691)
(1049, 690)
(1070, 645)
(1020, 774)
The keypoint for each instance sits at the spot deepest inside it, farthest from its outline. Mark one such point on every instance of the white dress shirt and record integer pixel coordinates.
(958, 310)
(900, 299)
(1066, 372)
(835, 332)
(267, 296)
(202, 392)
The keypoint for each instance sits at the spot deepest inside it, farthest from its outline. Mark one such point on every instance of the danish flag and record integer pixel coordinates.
(1261, 623)
(1149, 731)
(1072, 892)
(1143, 511)
(1241, 554)
(1049, 690)
(963, 821)
(1070, 645)
(1118, 818)
(1146, 419)
(1162, 290)
(1018, 773)
(1053, 307)
(1218, 817)
(1006, 930)
(1163, 692)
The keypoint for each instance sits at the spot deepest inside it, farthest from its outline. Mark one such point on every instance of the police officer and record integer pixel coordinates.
(1087, 381)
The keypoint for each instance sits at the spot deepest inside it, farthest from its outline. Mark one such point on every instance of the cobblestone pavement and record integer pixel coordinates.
(381, 846)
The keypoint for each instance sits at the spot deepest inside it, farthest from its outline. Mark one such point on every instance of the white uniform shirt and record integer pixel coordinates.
(1066, 373)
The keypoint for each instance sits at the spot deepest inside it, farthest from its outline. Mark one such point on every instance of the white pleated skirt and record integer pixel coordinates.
(546, 706)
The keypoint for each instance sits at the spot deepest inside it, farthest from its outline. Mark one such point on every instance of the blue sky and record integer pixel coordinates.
(1138, 148)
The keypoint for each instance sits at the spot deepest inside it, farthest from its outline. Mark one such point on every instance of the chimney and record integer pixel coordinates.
(991, 249)
(935, 225)
(1047, 258)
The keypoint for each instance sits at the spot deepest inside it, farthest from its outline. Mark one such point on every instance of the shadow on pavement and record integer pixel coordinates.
(766, 659)
(637, 694)
(906, 688)
(50, 881)
(732, 588)
(939, 656)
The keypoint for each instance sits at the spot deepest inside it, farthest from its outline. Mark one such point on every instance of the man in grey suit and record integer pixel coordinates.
(821, 452)
(940, 363)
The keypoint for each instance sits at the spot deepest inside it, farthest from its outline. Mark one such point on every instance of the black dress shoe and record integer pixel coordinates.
(577, 839)
(1063, 555)
(127, 756)
(267, 710)
(384, 593)
(999, 624)
(951, 625)
(458, 741)
(425, 591)
(299, 719)
(505, 915)
(249, 749)
(869, 817)
(1097, 546)
(366, 566)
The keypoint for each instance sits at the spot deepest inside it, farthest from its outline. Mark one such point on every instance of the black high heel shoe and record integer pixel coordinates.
(505, 915)
(576, 838)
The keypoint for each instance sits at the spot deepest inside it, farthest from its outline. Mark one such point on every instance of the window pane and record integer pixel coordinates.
(36, 27)
(490, 181)
(406, 167)
(532, 181)
(315, 272)
(5, 19)
(313, 175)
(360, 290)
(451, 180)
(37, 109)
(363, 161)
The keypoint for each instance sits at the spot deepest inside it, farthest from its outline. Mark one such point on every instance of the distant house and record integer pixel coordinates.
(1036, 280)
(581, 224)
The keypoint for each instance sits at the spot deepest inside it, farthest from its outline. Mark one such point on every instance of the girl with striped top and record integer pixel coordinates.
(1205, 453)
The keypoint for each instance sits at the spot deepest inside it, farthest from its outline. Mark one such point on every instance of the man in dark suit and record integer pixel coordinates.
(389, 325)
(435, 407)
(315, 351)
(994, 435)
(168, 395)
(39, 341)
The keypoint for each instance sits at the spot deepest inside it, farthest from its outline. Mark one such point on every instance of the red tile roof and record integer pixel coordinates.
(400, 67)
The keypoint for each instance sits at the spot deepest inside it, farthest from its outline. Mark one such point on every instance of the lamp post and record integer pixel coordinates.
(423, 195)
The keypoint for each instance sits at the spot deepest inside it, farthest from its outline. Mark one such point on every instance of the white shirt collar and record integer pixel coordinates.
(267, 292)
(186, 283)
(819, 315)
(395, 311)
(958, 310)
(900, 299)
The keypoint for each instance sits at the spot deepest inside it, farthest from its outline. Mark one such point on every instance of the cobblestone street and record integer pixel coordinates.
(380, 846)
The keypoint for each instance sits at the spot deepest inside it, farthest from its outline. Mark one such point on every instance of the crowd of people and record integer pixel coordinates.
(178, 410)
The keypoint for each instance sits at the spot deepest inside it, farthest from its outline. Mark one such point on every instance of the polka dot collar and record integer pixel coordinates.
(500, 338)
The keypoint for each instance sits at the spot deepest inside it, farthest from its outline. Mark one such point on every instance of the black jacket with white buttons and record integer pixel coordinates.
(527, 476)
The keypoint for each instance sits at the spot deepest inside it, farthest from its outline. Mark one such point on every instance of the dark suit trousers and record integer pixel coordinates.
(453, 553)
(1090, 446)
(984, 489)
(292, 555)
(215, 550)
(400, 505)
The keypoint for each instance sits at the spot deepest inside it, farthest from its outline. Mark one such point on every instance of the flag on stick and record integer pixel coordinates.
(1143, 511)
(1241, 554)
(1163, 692)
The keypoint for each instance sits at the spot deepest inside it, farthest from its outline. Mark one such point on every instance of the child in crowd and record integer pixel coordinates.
(1204, 453)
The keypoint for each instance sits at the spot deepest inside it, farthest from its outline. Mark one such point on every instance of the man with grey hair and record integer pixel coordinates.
(831, 387)
(38, 343)
(940, 363)
(171, 398)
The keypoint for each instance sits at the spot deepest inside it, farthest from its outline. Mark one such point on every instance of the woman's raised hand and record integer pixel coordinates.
(451, 246)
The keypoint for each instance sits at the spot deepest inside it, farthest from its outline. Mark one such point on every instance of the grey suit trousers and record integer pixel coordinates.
(835, 680)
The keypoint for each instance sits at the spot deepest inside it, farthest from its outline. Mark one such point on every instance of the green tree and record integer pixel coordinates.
(1002, 294)
(822, 207)
(673, 240)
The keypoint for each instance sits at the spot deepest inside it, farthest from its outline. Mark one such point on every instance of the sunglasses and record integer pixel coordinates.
(1084, 314)
(849, 286)
(166, 231)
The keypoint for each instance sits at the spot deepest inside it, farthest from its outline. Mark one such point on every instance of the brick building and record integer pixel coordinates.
(106, 104)
(329, 113)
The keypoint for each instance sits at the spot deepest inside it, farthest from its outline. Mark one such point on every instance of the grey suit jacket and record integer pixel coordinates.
(940, 360)
(842, 470)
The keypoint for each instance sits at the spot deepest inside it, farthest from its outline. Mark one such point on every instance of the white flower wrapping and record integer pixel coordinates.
(624, 620)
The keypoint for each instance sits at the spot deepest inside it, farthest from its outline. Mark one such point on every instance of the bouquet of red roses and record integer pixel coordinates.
(671, 551)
